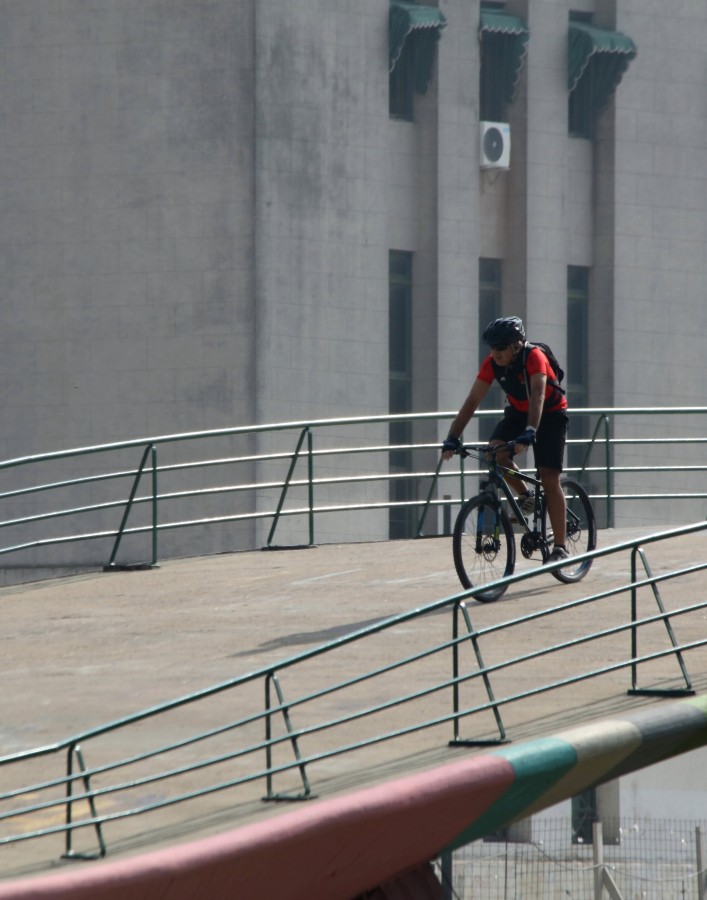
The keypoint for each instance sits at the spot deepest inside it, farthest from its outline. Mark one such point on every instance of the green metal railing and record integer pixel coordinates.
(305, 472)
(295, 717)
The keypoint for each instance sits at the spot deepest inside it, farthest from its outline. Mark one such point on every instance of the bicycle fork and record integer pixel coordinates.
(488, 534)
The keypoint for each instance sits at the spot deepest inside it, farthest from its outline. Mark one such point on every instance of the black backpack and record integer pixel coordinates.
(552, 359)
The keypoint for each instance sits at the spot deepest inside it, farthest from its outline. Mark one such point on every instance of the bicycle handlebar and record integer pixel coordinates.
(486, 449)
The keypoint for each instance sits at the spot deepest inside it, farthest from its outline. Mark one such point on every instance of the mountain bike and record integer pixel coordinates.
(484, 542)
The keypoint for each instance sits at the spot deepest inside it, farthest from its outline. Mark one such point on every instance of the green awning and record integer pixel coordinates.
(496, 20)
(504, 40)
(426, 22)
(598, 54)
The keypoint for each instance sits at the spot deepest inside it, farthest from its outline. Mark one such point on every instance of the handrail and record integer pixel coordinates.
(428, 700)
(347, 476)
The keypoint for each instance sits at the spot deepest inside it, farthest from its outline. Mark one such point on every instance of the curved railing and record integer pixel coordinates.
(120, 503)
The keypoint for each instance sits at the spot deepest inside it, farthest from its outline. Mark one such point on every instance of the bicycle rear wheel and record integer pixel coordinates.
(581, 531)
(484, 546)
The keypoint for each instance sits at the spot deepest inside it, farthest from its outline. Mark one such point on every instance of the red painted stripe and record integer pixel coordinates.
(331, 849)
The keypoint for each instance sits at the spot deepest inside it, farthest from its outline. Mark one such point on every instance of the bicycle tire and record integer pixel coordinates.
(485, 555)
(581, 531)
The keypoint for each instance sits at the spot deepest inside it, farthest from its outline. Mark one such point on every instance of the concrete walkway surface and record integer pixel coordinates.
(89, 649)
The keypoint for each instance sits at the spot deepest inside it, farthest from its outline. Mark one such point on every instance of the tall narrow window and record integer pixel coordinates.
(402, 490)
(414, 31)
(401, 84)
(579, 103)
(577, 355)
(596, 61)
(489, 309)
(504, 44)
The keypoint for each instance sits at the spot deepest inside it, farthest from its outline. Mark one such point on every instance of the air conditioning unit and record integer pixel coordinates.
(495, 145)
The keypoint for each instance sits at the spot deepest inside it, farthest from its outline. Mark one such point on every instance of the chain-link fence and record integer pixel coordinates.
(647, 859)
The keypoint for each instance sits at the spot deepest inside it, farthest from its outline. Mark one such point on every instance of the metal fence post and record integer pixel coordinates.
(149, 450)
(447, 515)
(701, 875)
(598, 851)
(310, 485)
(602, 877)
(153, 452)
(446, 862)
(609, 473)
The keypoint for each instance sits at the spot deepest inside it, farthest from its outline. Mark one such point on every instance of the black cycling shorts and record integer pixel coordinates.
(550, 439)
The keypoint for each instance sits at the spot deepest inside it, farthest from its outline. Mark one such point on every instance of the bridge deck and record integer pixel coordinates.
(85, 650)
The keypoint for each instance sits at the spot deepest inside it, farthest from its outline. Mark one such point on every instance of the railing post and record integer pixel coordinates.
(455, 670)
(461, 607)
(310, 485)
(701, 874)
(425, 508)
(284, 709)
(154, 504)
(268, 740)
(602, 420)
(75, 751)
(447, 516)
(149, 449)
(655, 692)
(68, 837)
(634, 617)
(306, 432)
(609, 473)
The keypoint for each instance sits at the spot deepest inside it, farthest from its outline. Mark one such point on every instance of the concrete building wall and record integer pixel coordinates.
(321, 201)
(126, 228)
(462, 217)
(327, 184)
(660, 211)
(546, 222)
(199, 198)
(126, 225)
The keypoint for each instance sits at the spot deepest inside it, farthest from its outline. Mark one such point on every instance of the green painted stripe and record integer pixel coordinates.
(600, 748)
(548, 770)
(537, 765)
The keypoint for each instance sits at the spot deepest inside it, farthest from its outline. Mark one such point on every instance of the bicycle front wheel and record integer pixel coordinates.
(484, 546)
(581, 531)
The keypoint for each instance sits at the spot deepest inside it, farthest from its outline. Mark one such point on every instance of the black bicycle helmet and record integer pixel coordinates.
(503, 331)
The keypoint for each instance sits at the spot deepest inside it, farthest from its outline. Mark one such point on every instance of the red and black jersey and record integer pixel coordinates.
(515, 379)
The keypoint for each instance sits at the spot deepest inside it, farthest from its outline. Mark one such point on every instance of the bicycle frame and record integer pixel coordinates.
(491, 552)
(497, 478)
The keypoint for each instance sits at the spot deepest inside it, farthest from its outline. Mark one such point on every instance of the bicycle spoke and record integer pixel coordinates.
(581, 531)
(484, 545)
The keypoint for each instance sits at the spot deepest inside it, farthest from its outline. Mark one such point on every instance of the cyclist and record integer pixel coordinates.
(536, 414)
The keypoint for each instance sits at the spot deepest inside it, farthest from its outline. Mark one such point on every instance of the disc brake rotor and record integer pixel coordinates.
(489, 548)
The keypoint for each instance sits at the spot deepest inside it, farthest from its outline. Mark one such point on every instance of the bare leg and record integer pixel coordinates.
(504, 459)
(556, 504)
